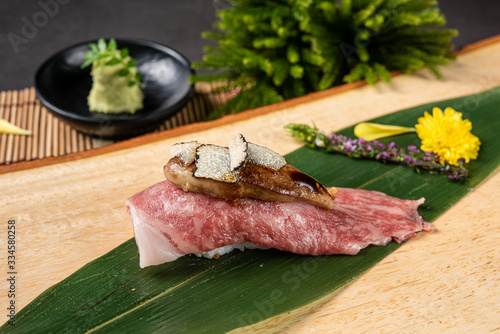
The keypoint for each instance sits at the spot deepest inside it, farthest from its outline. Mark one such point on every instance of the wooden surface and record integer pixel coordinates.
(70, 211)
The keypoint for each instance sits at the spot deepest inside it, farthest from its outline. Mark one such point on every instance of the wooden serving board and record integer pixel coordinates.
(70, 210)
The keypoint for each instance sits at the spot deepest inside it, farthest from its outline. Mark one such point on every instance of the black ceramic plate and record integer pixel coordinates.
(62, 86)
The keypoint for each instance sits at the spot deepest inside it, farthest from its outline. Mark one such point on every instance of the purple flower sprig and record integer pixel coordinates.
(409, 156)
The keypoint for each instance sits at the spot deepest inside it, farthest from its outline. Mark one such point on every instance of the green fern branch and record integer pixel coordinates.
(272, 50)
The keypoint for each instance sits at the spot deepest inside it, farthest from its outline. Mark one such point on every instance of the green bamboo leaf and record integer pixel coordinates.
(190, 295)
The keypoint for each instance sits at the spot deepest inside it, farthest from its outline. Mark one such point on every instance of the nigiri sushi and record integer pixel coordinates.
(211, 203)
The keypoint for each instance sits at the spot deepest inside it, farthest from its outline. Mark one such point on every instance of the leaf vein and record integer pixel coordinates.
(154, 298)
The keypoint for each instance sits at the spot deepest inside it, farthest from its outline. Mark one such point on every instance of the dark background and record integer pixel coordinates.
(177, 24)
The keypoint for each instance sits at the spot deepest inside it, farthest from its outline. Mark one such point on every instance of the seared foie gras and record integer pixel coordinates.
(261, 174)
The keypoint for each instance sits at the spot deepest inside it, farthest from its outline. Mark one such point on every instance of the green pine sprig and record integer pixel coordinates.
(101, 50)
(270, 51)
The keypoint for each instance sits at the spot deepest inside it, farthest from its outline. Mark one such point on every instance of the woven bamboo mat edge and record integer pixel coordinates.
(52, 137)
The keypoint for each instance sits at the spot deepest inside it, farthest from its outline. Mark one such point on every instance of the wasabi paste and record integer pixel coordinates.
(116, 86)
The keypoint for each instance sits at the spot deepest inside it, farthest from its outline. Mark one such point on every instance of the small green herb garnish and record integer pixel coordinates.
(101, 50)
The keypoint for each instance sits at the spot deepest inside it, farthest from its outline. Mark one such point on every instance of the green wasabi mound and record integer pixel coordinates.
(110, 92)
(116, 86)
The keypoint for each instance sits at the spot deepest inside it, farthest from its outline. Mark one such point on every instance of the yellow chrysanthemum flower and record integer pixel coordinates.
(447, 135)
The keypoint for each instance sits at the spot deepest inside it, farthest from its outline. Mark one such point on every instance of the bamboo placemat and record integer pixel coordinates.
(52, 137)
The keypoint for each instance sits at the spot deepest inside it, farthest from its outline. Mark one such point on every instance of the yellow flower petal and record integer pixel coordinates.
(372, 131)
(447, 135)
(6, 127)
